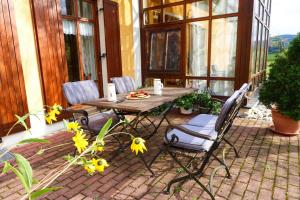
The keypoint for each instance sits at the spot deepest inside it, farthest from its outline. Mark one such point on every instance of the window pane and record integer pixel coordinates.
(173, 50)
(258, 48)
(152, 16)
(222, 88)
(151, 3)
(254, 46)
(197, 84)
(197, 48)
(67, 7)
(69, 29)
(225, 6)
(157, 49)
(223, 47)
(173, 83)
(171, 1)
(87, 42)
(173, 13)
(85, 9)
(197, 9)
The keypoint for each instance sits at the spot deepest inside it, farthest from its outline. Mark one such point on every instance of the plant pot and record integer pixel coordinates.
(284, 124)
(204, 110)
(186, 112)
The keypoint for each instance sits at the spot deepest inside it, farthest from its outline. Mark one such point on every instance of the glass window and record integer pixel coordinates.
(173, 83)
(85, 9)
(170, 1)
(157, 49)
(223, 47)
(173, 13)
(67, 7)
(151, 3)
(220, 7)
(69, 29)
(152, 16)
(254, 46)
(197, 84)
(197, 9)
(197, 48)
(256, 7)
(87, 43)
(258, 48)
(173, 50)
(222, 88)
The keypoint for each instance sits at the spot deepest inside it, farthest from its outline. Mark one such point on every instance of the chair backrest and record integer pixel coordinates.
(124, 84)
(80, 91)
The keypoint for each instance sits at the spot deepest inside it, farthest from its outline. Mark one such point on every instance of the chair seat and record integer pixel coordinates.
(193, 143)
(203, 120)
(97, 121)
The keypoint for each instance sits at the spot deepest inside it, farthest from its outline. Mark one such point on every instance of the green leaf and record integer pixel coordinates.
(21, 120)
(8, 167)
(33, 140)
(104, 130)
(25, 169)
(65, 123)
(35, 181)
(41, 192)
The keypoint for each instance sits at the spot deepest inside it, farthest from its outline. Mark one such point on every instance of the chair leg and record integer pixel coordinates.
(222, 163)
(189, 176)
(235, 151)
(162, 150)
(147, 166)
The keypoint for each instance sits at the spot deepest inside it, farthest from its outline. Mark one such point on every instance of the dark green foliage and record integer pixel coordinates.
(186, 101)
(282, 88)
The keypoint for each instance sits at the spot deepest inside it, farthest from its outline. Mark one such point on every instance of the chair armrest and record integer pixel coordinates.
(187, 131)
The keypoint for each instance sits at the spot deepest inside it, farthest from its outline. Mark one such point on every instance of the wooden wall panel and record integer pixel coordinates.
(12, 88)
(51, 48)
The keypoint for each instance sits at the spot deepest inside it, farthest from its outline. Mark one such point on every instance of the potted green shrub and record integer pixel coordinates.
(281, 91)
(186, 104)
(205, 104)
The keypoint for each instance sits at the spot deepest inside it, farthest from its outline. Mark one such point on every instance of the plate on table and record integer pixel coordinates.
(138, 95)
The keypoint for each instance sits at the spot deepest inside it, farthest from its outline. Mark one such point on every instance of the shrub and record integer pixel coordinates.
(282, 88)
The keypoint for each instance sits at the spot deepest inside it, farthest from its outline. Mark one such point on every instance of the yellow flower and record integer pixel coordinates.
(56, 108)
(73, 126)
(80, 141)
(100, 164)
(138, 144)
(99, 146)
(90, 168)
(50, 117)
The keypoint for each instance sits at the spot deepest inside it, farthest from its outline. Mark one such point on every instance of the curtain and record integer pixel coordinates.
(69, 27)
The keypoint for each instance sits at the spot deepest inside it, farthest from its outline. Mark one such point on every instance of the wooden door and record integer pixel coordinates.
(112, 39)
(12, 88)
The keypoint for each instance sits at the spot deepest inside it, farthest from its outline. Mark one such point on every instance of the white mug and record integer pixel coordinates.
(158, 86)
(111, 92)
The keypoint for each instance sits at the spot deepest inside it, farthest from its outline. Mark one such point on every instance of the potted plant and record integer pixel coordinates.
(186, 104)
(281, 91)
(205, 104)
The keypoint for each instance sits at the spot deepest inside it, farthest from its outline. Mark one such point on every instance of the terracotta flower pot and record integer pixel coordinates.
(284, 124)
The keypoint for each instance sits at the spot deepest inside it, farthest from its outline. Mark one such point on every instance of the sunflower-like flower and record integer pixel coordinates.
(90, 168)
(100, 164)
(73, 126)
(56, 109)
(80, 141)
(99, 146)
(50, 117)
(138, 145)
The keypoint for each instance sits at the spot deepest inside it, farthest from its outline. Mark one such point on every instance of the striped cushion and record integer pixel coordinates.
(124, 84)
(80, 91)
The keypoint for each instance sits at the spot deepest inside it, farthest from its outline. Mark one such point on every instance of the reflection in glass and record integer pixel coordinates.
(258, 48)
(222, 88)
(197, 48)
(223, 47)
(254, 46)
(69, 29)
(171, 1)
(197, 84)
(173, 50)
(173, 83)
(197, 9)
(221, 7)
(173, 13)
(67, 7)
(262, 53)
(151, 3)
(157, 49)
(152, 16)
(88, 50)
(85, 9)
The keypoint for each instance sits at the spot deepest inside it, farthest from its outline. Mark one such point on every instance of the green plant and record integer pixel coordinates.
(282, 88)
(205, 100)
(186, 101)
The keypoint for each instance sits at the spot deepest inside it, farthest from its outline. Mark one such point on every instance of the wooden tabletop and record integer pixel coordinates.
(142, 105)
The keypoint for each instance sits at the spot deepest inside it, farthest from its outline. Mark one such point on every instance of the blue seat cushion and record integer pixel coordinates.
(193, 143)
(203, 120)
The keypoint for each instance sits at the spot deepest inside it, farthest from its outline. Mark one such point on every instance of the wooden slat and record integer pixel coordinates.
(52, 56)
(12, 96)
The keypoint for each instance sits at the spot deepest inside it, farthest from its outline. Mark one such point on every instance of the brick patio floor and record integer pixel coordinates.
(268, 168)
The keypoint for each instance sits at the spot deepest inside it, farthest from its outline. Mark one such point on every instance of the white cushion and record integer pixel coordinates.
(203, 120)
(193, 143)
